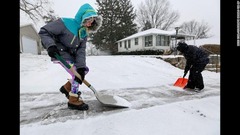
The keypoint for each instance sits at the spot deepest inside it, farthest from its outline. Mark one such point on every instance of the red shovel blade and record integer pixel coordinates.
(181, 82)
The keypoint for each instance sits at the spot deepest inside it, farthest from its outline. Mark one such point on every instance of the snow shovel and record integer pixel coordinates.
(181, 82)
(106, 100)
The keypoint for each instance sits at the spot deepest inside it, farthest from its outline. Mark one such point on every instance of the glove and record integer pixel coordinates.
(52, 50)
(81, 72)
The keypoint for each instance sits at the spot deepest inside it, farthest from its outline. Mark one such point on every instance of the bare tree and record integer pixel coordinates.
(157, 13)
(200, 30)
(37, 10)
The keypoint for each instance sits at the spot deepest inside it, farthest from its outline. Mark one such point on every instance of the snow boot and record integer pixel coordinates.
(199, 89)
(65, 89)
(189, 88)
(75, 102)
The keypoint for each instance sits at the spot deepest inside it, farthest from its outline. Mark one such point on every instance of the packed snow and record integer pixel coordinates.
(156, 106)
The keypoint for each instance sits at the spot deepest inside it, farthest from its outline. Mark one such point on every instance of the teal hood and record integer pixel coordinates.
(84, 12)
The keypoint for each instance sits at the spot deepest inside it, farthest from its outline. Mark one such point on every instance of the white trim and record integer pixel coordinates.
(73, 94)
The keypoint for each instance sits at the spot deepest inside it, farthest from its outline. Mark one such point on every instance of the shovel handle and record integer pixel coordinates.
(71, 69)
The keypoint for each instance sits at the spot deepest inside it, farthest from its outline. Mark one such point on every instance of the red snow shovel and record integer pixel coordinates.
(181, 82)
(106, 100)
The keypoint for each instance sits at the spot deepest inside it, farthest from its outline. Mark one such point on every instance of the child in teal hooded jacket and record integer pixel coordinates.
(67, 37)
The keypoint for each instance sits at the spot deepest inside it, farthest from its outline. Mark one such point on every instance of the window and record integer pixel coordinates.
(120, 44)
(148, 41)
(136, 41)
(162, 40)
(129, 43)
(125, 44)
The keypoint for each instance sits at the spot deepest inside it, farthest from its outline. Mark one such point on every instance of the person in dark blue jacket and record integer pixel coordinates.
(67, 37)
(196, 61)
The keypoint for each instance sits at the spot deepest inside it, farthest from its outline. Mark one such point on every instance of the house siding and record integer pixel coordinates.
(141, 45)
(30, 32)
(154, 32)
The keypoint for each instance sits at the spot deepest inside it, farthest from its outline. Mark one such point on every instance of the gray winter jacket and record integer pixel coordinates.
(70, 36)
(70, 47)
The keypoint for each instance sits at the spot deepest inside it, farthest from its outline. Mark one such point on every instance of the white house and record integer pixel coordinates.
(29, 40)
(151, 39)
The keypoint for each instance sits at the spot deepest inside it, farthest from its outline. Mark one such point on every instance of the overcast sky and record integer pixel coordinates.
(204, 10)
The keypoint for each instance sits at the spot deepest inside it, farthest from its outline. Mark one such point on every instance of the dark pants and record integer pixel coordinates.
(195, 79)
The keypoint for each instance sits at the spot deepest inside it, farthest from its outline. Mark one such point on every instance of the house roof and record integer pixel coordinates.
(211, 40)
(154, 31)
(180, 33)
(29, 25)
